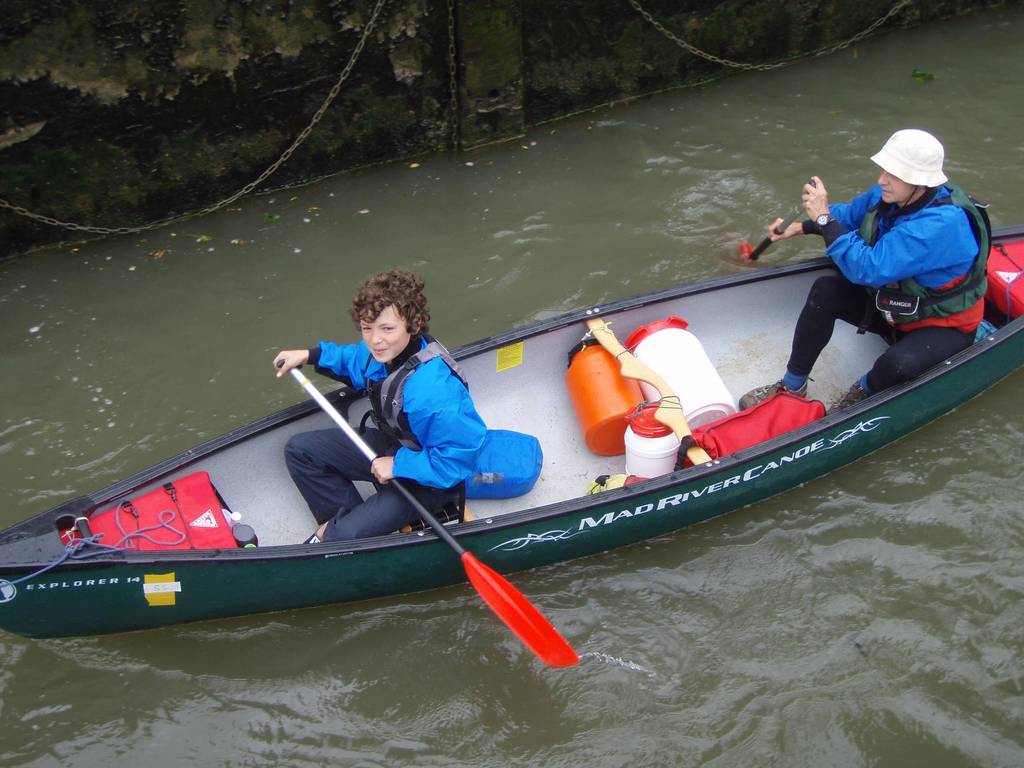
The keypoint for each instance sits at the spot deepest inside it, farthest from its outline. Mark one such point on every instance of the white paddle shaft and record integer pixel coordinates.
(331, 411)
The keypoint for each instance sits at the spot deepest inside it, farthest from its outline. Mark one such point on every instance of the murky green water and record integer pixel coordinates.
(870, 618)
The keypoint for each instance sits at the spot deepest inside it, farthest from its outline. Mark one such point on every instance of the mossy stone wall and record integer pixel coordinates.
(117, 113)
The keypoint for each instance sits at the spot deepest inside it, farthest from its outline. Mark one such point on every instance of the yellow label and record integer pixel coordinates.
(510, 356)
(160, 588)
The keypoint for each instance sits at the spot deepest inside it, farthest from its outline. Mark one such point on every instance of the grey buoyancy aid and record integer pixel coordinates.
(387, 397)
(908, 301)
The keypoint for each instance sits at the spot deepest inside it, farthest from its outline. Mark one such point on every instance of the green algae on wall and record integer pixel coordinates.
(123, 112)
(126, 111)
(490, 43)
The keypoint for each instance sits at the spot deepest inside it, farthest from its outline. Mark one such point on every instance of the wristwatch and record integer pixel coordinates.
(824, 219)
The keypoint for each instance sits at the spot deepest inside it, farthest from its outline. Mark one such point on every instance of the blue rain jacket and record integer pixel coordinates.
(440, 411)
(933, 245)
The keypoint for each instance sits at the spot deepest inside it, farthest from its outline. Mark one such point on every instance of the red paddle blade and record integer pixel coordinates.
(519, 614)
(745, 250)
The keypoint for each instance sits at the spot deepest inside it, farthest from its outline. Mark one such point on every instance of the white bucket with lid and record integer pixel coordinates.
(651, 447)
(678, 357)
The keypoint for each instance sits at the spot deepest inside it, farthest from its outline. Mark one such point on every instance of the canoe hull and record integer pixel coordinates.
(138, 590)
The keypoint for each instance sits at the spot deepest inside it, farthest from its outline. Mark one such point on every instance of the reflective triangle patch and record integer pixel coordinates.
(205, 520)
(1007, 277)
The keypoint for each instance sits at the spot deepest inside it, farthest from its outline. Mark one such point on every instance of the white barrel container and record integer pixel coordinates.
(651, 447)
(678, 357)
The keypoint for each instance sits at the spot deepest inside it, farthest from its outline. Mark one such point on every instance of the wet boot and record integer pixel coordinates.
(762, 393)
(854, 395)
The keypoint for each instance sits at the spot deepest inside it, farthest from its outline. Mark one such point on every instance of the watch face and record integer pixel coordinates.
(824, 219)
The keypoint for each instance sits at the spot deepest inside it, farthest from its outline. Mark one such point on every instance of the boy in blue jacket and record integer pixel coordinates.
(428, 432)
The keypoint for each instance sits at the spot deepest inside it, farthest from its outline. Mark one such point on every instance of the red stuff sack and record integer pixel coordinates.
(1005, 281)
(779, 414)
(202, 511)
(184, 514)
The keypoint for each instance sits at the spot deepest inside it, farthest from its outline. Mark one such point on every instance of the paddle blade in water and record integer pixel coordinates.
(745, 250)
(519, 614)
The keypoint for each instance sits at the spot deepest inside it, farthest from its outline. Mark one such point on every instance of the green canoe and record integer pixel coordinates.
(743, 322)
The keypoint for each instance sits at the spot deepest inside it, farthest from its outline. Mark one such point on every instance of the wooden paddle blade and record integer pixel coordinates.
(519, 614)
(629, 366)
(605, 336)
(670, 412)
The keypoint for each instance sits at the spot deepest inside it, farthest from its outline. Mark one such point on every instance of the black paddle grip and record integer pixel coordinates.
(778, 230)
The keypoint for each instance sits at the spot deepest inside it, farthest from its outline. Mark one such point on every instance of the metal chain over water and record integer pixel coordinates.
(453, 78)
(303, 135)
(453, 109)
(763, 67)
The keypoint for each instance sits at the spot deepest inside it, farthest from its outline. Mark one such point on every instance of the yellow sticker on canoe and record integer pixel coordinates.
(510, 356)
(160, 588)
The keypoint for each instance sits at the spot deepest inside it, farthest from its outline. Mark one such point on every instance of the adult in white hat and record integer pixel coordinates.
(911, 255)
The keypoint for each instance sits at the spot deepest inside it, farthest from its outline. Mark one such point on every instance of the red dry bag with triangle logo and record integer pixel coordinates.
(184, 514)
(1006, 278)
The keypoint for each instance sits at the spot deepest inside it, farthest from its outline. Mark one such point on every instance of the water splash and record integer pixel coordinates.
(615, 660)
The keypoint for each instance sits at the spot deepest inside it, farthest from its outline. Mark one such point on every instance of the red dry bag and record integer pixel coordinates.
(184, 514)
(770, 418)
(1006, 278)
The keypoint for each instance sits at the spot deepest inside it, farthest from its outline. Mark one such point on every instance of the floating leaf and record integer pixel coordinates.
(203, 239)
(921, 76)
(272, 216)
(158, 254)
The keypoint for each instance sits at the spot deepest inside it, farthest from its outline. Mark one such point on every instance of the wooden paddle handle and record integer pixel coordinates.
(670, 411)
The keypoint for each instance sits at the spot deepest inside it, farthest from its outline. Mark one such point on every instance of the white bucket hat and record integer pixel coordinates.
(913, 156)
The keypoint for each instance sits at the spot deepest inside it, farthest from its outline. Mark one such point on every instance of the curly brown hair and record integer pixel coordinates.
(398, 288)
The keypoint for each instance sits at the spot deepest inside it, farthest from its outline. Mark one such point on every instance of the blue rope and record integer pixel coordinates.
(142, 533)
(74, 550)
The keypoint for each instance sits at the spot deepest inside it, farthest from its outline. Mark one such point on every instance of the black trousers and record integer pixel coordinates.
(324, 465)
(910, 354)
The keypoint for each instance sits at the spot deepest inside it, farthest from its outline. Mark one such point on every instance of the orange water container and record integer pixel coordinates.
(601, 398)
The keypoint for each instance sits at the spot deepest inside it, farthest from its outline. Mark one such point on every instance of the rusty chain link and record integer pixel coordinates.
(302, 136)
(453, 111)
(453, 77)
(762, 67)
